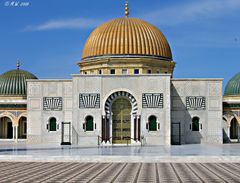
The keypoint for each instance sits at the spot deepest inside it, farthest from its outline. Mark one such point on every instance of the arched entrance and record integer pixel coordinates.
(234, 129)
(22, 128)
(6, 128)
(121, 124)
(121, 121)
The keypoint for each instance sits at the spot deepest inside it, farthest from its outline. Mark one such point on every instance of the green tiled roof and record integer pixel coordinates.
(233, 86)
(13, 83)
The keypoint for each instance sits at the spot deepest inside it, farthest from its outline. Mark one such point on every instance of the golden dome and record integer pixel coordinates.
(127, 36)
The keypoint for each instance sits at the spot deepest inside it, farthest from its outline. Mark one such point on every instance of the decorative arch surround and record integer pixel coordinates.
(115, 95)
(9, 115)
(24, 114)
(230, 116)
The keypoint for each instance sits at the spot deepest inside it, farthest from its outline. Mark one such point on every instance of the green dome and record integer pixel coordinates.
(14, 82)
(233, 86)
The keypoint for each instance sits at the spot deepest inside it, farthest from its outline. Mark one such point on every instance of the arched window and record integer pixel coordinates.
(53, 124)
(195, 124)
(234, 129)
(152, 122)
(89, 123)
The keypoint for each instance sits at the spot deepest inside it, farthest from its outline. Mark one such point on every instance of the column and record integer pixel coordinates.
(139, 128)
(107, 129)
(103, 128)
(13, 128)
(135, 128)
(238, 133)
(16, 135)
(228, 131)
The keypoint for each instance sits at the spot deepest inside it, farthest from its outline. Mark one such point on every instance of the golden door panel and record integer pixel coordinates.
(121, 121)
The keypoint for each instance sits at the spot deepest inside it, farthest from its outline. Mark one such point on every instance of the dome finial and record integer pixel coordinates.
(126, 9)
(18, 64)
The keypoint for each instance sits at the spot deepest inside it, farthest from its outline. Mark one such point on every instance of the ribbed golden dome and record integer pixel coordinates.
(126, 36)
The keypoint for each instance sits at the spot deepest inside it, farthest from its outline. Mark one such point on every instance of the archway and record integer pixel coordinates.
(234, 129)
(22, 128)
(121, 121)
(6, 128)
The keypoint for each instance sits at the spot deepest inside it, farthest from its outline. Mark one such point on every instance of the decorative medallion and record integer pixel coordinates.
(89, 100)
(152, 100)
(52, 103)
(196, 103)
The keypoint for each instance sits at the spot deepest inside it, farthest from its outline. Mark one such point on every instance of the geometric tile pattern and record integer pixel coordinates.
(152, 100)
(118, 172)
(195, 103)
(52, 103)
(89, 100)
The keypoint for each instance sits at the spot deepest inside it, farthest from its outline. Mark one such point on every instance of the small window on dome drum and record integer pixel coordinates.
(136, 71)
(100, 72)
(112, 71)
(158, 72)
(124, 71)
(85, 72)
(149, 71)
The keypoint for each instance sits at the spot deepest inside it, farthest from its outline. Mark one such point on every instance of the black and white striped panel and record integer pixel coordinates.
(121, 94)
(152, 100)
(196, 103)
(89, 100)
(52, 103)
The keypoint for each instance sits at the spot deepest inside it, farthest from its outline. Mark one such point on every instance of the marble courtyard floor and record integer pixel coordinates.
(131, 154)
(186, 163)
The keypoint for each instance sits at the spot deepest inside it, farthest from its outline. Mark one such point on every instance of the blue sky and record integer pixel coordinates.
(48, 35)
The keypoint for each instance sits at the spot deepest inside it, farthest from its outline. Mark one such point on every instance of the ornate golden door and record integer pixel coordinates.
(121, 121)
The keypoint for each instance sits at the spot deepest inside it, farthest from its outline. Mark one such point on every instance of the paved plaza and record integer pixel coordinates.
(186, 163)
(151, 154)
(118, 172)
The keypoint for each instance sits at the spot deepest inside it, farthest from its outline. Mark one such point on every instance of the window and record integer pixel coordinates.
(112, 71)
(149, 71)
(152, 122)
(124, 71)
(195, 124)
(52, 124)
(89, 123)
(100, 72)
(136, 71)
(158, 72)
(85, 72)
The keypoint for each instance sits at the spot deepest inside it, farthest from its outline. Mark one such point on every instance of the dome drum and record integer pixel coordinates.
(119, 64)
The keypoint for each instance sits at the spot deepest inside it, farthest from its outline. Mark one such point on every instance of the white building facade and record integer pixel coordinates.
(162, 111)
